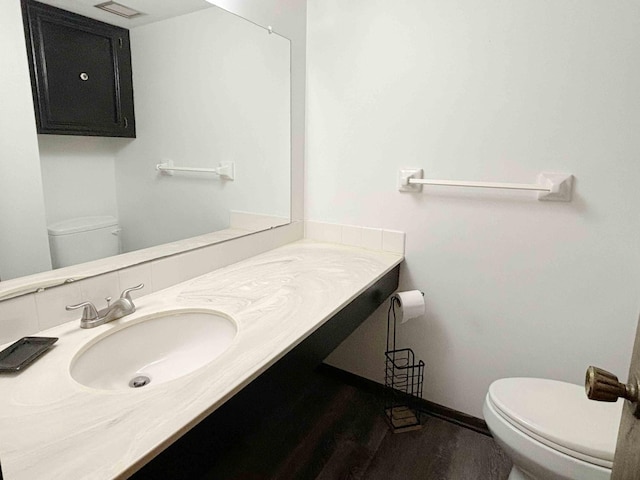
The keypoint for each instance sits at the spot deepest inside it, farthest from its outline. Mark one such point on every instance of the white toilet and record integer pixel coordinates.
(551, 430)
(83, 239)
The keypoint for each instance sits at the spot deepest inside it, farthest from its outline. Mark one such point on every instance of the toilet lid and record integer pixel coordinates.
(559, 415)
(81, 224)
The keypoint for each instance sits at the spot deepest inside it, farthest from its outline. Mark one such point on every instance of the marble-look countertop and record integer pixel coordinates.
(51, 427)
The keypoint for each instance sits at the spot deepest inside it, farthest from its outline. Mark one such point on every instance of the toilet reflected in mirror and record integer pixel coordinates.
(83, 239)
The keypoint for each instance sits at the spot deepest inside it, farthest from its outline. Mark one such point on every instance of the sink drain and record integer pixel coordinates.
(139, 381)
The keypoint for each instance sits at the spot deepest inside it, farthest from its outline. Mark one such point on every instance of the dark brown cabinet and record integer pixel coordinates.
(80, 73)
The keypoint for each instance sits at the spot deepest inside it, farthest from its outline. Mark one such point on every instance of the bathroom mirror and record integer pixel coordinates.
(210, 88)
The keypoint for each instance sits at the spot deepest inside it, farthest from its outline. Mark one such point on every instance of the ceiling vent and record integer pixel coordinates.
(118, 9)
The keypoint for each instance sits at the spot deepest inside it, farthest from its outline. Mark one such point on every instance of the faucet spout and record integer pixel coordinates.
(117, 309)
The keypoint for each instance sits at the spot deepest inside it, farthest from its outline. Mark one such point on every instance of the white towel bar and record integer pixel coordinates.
(555, 187)
(225, 170)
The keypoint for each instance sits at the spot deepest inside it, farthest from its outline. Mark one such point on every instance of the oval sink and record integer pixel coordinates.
(153, 350)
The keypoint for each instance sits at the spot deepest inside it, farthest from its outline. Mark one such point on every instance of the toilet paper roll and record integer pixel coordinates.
(411, 304)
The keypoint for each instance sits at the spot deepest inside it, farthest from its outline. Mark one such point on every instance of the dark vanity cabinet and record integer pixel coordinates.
(80, 73)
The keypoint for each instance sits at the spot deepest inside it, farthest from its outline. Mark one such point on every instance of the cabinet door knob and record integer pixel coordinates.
(84, 76)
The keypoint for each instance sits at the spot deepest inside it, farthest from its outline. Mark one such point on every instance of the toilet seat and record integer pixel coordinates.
(559, 415)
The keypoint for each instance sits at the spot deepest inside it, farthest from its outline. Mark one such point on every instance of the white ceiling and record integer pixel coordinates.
(153, 10)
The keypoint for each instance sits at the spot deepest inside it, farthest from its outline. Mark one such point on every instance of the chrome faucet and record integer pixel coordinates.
(118, 309)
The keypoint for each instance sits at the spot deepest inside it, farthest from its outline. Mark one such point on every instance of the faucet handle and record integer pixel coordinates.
(125, 293)
(88, 313)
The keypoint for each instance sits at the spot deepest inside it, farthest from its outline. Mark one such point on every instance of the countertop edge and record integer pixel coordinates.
(290, 271)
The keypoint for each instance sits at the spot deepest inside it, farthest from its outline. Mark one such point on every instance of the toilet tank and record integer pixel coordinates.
(83, 239)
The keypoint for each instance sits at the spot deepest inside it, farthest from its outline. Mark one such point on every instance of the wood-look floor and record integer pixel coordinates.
(324, 430)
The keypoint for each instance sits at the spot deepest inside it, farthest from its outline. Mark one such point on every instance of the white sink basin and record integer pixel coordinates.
(153, 350)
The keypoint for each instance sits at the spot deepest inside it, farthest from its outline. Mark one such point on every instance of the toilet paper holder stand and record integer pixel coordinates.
(404, 377)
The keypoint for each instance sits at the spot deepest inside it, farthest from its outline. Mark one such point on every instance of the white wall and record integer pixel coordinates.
(499, 91)
(209, 87)
(24, 245)
(78, 175)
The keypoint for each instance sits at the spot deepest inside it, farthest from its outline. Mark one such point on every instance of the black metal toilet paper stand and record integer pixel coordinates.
(403, 379)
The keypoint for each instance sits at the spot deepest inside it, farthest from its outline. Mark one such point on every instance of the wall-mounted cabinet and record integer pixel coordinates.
(80, 73)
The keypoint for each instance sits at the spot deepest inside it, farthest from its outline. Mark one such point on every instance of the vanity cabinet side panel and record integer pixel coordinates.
(80, 73)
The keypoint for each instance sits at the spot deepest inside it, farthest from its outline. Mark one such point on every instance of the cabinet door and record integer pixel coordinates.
(80, 72)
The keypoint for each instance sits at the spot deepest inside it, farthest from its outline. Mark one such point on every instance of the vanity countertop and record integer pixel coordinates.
(51, 427)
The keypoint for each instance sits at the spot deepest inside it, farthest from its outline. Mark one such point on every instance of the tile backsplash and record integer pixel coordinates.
(18, 317)
(31, 313)
(371, 238)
